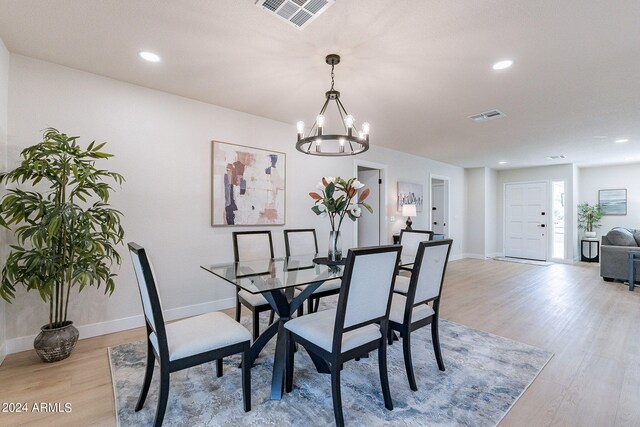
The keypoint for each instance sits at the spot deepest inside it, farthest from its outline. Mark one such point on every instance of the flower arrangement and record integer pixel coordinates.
(335, 200)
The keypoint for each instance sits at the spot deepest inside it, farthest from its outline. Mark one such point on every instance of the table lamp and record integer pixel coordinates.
(408, 211)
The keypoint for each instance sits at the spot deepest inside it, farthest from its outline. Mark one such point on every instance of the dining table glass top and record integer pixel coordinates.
(266, 275)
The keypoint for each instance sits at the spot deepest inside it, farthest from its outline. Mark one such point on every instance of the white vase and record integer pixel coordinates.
(589, 234)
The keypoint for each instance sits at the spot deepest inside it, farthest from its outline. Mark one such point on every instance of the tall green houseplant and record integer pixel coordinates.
(589, 217)
(66, 231)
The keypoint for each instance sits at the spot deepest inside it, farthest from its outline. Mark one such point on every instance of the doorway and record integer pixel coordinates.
(370, 229)
(526, 207)
(439, 205)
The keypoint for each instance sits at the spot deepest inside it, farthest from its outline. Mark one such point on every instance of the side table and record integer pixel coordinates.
(634, 258)
(590, 250)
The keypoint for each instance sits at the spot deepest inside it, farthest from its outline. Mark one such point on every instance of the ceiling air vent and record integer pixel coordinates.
(298, 13)
(487, 115)
(560, 157)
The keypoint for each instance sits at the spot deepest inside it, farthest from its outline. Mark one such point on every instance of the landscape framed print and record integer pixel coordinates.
(613, 202)
(248, 185)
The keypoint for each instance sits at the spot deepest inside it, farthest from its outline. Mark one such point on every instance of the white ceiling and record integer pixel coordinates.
(415, 69)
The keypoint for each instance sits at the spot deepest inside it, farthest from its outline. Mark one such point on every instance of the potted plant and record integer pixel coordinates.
(65, 231)
(335, 201)
(589, 217)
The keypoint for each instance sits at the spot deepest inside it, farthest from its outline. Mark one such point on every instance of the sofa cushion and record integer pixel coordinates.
(636, 235)
(621, 237)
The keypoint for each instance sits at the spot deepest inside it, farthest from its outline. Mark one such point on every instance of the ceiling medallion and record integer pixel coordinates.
(317, 143)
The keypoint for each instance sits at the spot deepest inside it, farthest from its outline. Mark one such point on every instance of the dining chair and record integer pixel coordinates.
(303, 241)
(409, 239)
(356, 326)
(411, 311)
(252, 246)
(184, 343)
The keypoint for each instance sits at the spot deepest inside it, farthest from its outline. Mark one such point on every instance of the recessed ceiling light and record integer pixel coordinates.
(149, 56)
(503, 64)
(502, 162)
(621, 141)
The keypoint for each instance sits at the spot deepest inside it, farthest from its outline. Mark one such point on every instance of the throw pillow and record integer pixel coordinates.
(636, 235)
(621, 237)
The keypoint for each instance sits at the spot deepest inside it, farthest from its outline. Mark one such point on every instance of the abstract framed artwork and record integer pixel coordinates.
(613, 202)
(248, 185)
(410, 193)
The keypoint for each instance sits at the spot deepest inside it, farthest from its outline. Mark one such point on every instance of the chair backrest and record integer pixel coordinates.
(252, 245)
(300, 241)
(428, 272)
(151, 305)
(367, 284)
(410, 239)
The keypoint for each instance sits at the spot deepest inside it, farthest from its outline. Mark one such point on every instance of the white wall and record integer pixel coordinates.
(481, 212)
(491, 214)
(4, 97)
(546, 173)
(162, 146)
(626, 176)
(475, 212)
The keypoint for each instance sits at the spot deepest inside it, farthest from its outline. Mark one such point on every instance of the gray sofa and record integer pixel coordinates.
(614, 253)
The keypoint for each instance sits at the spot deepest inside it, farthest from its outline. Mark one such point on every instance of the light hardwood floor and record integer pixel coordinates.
(592, 327)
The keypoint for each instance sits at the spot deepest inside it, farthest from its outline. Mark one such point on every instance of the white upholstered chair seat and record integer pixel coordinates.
(398, 303)
(402, 284)
(257, 300)
(329, 285)
(318, 329)
(201, 334)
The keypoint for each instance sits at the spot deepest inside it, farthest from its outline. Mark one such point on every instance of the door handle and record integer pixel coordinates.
(542, 225)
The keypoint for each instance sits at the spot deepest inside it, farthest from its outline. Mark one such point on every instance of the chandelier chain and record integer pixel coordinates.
(332, 76)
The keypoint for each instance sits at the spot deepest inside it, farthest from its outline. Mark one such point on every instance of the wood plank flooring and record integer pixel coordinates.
(593, 327)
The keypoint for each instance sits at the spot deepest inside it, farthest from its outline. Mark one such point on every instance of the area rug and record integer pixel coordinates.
(524, 261)
(485, 375)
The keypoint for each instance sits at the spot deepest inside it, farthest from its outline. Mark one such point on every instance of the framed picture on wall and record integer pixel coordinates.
(613, 202)
(410, 193)
(248, 185)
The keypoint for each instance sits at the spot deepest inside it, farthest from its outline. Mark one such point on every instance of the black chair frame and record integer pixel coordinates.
(168, 366)
(255, 310)
(333, 361)
(430, 233)
(314, 300)
(407, 326)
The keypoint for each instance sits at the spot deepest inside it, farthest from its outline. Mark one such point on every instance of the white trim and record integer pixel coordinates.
(383, 198)
(447, 196)
(3, 352)
(18, 344)
(475, 256)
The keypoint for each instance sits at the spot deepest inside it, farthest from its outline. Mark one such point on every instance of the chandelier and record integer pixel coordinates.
(317, 143)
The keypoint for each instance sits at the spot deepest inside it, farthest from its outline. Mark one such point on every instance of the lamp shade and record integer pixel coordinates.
(408, 210)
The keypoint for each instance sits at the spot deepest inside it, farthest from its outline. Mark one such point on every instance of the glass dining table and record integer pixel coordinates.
(276, 279)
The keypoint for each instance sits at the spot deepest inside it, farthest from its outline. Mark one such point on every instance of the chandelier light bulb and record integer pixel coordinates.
(320, 120)
(300, 127)
(349, 121)
(365, 128)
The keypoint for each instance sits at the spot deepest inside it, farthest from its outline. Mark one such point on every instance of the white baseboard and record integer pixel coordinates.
(18, 344)
(475, 256)
(3, 352)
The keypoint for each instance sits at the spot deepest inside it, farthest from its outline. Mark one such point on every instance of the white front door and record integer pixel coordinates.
(526, 220)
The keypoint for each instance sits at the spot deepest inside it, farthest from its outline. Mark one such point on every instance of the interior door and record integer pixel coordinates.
(438, 224)
(526, 220)
(369, 224)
